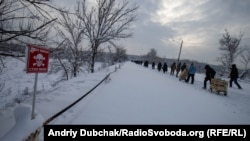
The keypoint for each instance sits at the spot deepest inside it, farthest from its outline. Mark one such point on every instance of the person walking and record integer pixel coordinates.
(146, 64)
(153, 65)
(191, 73)
(165, 67)
(234, 76)
(159, 67)
(183, 67)
(173, 67)
(210, 73)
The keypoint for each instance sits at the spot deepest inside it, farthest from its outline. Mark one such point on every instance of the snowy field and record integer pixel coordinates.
(133, 95)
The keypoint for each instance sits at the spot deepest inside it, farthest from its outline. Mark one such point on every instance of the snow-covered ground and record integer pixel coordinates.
(133, 95)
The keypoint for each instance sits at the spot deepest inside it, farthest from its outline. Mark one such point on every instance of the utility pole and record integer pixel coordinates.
(180, 52)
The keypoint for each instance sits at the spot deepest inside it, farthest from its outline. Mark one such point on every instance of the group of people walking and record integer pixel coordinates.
(159, 67)
(234, 75)
(191, 70)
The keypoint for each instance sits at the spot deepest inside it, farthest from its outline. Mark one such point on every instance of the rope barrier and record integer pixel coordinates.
(65, 109)
(71, 105)
(34, 135)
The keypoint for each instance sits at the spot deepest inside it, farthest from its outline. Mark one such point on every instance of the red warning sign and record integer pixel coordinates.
(37, 59)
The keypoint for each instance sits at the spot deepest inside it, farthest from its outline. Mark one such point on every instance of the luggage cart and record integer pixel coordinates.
(219, 85)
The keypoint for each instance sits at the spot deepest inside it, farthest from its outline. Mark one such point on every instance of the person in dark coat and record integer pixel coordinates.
(159, 66)
(210, 73)
(178, 69)
(153, 65)
(146, 64)
(183, 67)
(165, 67)
(234, 76)
(173, 67)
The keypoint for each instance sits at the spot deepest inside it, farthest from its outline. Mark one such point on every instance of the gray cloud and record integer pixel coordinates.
(199, 23)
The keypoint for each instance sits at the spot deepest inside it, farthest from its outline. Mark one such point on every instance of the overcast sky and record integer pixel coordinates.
(199, 23)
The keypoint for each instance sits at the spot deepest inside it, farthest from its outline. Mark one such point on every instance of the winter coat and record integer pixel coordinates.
(192, 69)
(159, 66)
(173, 66)
(210, 72)
(183, 67)
(178, 67)
(165, 67)
(234, 72)
(153, 65)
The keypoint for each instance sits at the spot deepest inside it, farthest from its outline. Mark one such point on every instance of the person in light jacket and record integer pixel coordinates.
(191, 73)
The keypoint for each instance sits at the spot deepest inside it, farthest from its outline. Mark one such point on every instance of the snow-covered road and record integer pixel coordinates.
(138, 95)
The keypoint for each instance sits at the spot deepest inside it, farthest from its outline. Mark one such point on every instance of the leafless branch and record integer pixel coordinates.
(108, 20)
(230, 48)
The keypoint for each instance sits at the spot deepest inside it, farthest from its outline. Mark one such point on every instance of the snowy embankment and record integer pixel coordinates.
(51, 96)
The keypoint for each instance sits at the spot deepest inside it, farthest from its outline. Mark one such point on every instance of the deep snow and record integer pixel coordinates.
(132, 95)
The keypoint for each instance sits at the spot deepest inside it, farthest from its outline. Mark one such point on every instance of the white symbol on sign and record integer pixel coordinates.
(39, 60)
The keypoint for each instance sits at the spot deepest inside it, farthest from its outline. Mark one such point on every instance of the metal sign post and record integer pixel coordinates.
(34, 98)
(37, 62)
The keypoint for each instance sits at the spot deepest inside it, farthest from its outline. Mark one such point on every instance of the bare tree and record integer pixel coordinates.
(120, 54)
(245, 57)
(71, 32)
(58, 64)
(24, 18)
(245, 60)
(108, 20)
(152, 56)
(230, 47)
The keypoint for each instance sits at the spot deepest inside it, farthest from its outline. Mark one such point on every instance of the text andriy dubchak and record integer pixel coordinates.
(120, 132)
